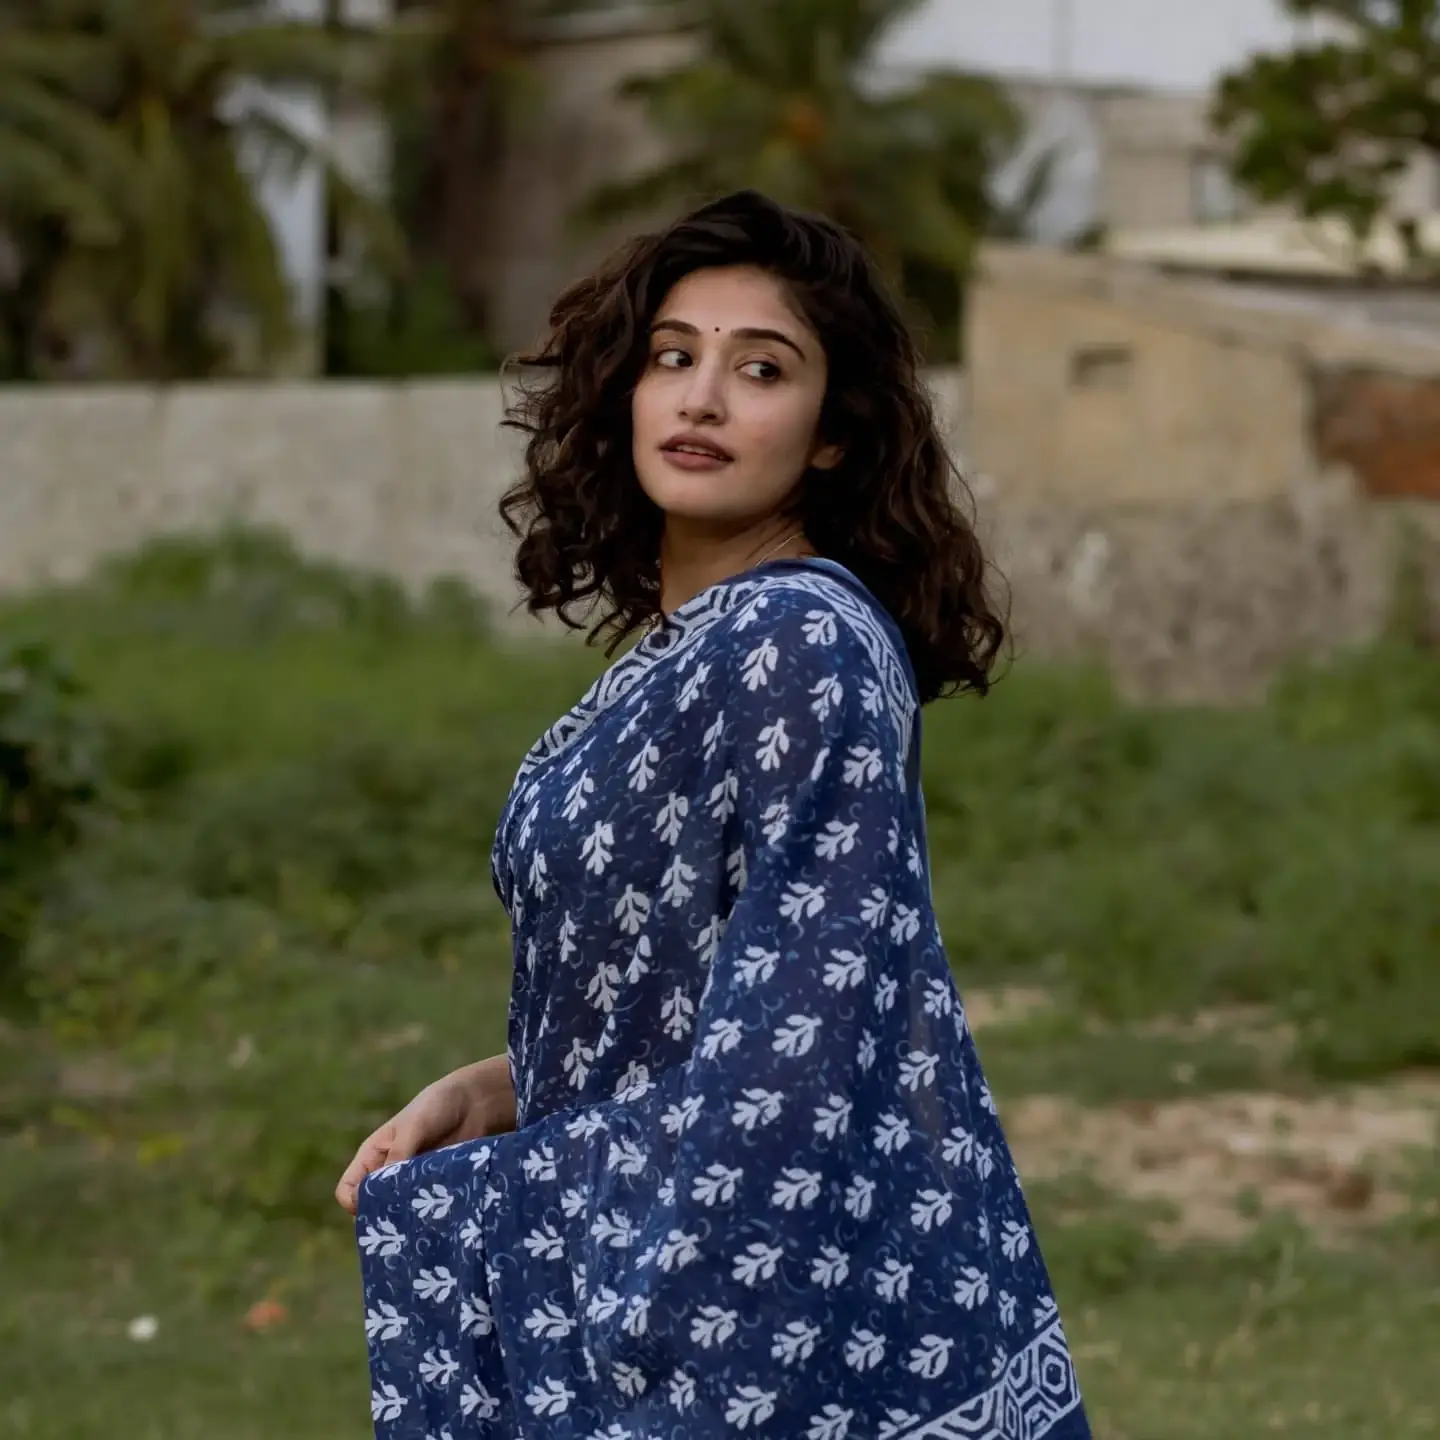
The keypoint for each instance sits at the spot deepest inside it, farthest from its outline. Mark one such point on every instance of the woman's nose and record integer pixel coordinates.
(704, 398)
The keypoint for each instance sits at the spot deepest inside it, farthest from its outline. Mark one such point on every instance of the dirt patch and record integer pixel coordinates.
(1220, 1163)
(1008, 1005)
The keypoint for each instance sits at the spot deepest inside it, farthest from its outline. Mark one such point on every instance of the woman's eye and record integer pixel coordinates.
(671, 359)
(762, 370)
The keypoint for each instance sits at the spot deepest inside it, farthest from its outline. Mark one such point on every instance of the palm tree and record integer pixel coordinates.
(467, 76)
(179, 272)
(784, 98)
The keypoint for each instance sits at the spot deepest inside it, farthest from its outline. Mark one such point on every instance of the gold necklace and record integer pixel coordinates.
(658, 619)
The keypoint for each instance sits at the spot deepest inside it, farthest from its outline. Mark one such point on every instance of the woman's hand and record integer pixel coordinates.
(467, 1104)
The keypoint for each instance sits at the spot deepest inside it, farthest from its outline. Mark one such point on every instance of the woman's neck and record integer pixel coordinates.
(692, 559)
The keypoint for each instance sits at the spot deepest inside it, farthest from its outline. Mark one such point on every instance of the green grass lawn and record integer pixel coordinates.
(279, 924)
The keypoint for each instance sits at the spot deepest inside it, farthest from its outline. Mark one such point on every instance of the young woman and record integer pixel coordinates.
(739, 1172)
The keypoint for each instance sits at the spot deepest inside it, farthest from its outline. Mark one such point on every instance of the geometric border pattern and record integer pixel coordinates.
(1036, 1392)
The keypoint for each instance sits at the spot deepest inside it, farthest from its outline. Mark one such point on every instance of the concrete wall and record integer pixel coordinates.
(1189, 595)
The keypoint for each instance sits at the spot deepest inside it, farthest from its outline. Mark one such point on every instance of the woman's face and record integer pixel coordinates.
(726, 412)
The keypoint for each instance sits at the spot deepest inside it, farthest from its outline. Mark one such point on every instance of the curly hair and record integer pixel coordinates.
(589, 536)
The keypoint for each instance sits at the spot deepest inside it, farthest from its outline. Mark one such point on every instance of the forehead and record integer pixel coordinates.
(732, 296)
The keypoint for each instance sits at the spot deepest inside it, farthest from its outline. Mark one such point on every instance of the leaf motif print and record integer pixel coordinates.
(838, 839)
(757, 1264)
(832, 1119)
(863, 765)
(1006, 1308)
(802, 901)
(680, 1391)
(776, 821)
(614, 1229)
(577, 797)
(892, 1281)
(690, 692)
(796, 1187)
(891, 1133)
(604, 987)
(632, 910)
(832, 1423)
(757, 1107)
(864, 1350)
(438, 1367)
(714, 735)
(737, 870)
(860, 1197)
(629, 1379)
(773, 746)
(598, 847)
(550, 1398)
(712, 1326)
(677, 1119)
(759, 665)
(707, 942)
(387, 1402)
(830, 1269)
(796, 1036)
(757, 965)
(939, 998)
(820, 628)
(539, 1164)
(678, 1250)
(549, 1322)
(720, 1039)
(723, 797)
(433, 1203)
(385, 1322)
(874, 907)
(750, 1405)
(435, 1285)
(642, 768)
(931, 1208)
(930, 1357)
(826, 696)
(476, 1316)
(677, 1014)
(905, 925)
(1014, 1240)
(717, 1185)
(677, 883)
(627, 1157)
(545, 1243)
(795, 1343)
(972, 1288)
(845, 970)
(539, 870)
(918, 1070)
(382, 1238)
(639, 966)
(671, 818)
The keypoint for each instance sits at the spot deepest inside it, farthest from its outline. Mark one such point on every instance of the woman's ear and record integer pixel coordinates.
(827, 457)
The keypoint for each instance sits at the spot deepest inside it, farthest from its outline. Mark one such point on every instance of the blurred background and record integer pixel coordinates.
(262, 690)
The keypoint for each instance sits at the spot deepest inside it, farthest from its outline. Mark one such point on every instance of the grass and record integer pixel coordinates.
(280, 925)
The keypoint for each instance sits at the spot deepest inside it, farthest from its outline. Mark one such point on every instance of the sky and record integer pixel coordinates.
(1170, 44)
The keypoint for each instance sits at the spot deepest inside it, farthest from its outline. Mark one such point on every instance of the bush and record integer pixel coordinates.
(51, 773)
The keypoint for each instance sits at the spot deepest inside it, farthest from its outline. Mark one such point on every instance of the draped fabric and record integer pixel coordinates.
(758, 1185)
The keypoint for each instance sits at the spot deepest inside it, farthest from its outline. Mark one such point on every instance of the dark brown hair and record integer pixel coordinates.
(890, 512)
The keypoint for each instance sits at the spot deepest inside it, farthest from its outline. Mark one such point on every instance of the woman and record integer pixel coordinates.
(739, 1170)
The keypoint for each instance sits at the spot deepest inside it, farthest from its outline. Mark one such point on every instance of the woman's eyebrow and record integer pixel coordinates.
(747, 332)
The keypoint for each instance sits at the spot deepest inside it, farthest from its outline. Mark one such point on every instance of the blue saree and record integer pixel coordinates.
(758, 1186)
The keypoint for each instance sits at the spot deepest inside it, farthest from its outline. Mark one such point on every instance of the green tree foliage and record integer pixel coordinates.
(784, 98)
(1330, 126)
(130, 140)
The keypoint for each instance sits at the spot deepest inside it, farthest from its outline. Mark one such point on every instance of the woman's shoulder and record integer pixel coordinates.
(815, 614)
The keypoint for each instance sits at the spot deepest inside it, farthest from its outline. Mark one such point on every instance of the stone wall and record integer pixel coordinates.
(1188, 596)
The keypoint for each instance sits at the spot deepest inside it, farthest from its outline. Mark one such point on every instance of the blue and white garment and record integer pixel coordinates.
(758, 1187)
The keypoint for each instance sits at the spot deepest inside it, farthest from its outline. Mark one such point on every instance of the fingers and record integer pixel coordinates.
(373, 1153)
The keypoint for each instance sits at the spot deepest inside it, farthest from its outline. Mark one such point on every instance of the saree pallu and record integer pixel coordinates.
(758, 1184)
